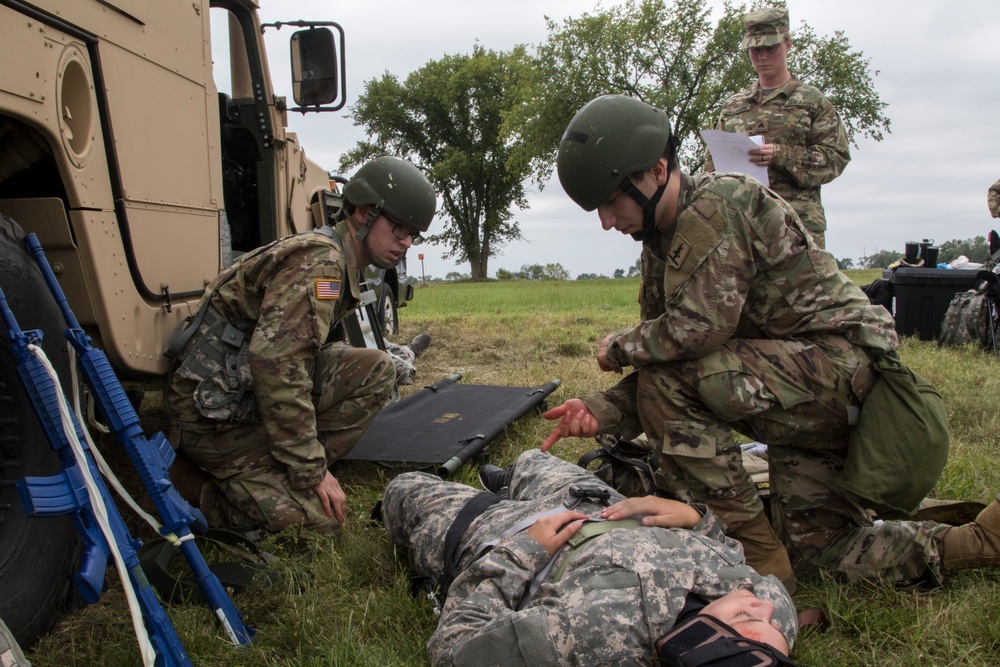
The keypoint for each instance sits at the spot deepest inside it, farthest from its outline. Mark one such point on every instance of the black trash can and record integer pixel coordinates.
(921, 297)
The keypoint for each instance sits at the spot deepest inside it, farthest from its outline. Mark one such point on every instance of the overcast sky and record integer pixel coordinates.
(937, 65)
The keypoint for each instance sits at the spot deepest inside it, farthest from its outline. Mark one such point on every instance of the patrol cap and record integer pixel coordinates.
(766, 27)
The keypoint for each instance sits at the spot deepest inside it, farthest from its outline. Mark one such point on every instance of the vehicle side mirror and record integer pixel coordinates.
(314, 67)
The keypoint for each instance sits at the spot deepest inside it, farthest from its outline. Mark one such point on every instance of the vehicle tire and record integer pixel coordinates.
(37, 555)
(388, 315)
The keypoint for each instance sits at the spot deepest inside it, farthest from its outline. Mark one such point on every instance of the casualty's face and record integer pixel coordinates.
(750, 616)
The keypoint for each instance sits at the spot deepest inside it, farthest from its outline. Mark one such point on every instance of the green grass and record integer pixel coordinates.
(348, 602)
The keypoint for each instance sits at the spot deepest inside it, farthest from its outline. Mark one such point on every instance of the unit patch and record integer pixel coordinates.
(678, 251)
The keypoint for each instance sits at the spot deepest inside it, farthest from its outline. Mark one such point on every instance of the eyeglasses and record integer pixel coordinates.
(403, 232)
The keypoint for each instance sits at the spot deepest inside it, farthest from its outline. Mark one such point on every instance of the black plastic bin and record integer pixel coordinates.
(921, 297)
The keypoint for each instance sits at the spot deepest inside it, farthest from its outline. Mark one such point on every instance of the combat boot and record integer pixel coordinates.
(494, 478)
(975, 544)
(420, 343)
(763, 550)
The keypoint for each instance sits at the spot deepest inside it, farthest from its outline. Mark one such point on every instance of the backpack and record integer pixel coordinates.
(899, 446)
(972, 315)
(625, 466)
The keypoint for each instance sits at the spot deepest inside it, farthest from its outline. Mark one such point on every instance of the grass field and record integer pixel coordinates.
(348, 602)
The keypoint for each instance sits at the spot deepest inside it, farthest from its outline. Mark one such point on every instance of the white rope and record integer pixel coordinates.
(102, 464)
(100, 513)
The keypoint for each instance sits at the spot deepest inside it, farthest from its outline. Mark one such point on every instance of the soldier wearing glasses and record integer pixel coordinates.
(259, 395)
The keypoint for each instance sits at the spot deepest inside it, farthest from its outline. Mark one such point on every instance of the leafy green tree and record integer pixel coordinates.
(635, 269)
(446, 118)
(531, 272)
(504, 274)
(881, 259)
(619, 273)
(845, 264)
(555, 272)
(976, 249)
(675, 57)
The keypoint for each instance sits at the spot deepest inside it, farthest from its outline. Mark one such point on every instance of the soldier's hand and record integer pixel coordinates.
(332, 496)
(554, 531)
(602, 354)
(575, 421)
(661, 512)
(763, 156)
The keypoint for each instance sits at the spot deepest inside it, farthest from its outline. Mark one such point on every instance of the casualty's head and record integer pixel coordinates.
(608, 147)
(740, 629)
(767, 27)
(398, 204)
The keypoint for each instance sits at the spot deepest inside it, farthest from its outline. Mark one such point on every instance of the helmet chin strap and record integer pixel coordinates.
(648, 205)
(373, 213)
(362, 236)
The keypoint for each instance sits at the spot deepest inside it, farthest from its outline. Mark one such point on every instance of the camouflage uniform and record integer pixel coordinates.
(810, 143)
(993, 199)
(747, 325)
(267, 460)
(619, 593)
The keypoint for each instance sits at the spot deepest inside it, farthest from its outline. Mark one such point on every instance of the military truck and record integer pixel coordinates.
(143, 172)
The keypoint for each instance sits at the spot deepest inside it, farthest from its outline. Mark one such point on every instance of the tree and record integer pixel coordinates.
(447, 118)
(619, 273)
(976, 249)
(845, 264)
(555, 272)
(635, 269)
(676, 58)
(881, 259)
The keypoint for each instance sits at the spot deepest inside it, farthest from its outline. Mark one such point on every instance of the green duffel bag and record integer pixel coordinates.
(899, 446)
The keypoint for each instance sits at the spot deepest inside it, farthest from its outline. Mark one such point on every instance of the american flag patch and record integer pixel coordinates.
(327, 289)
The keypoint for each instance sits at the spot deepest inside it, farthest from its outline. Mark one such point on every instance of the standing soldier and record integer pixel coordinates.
(259, 395)
(745, 325)
(805, 145)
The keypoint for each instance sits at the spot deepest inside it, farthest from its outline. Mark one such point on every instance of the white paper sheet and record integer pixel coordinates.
(729, 152)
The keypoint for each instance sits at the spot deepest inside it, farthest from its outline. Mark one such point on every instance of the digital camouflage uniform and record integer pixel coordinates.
(993, 199)
(290, 293)
(811, 146)
(747, 326)
(619, 593)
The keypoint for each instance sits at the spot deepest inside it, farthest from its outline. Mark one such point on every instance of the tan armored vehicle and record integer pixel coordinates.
(143, 173)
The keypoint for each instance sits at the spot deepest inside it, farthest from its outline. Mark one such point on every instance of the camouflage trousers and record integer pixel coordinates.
(249, 486)
(801, 397)
(418, 508)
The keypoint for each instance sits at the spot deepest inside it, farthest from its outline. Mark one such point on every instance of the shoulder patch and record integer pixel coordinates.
(327, 288)
(678, 251)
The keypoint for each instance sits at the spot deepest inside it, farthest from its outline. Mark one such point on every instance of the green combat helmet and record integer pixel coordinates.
(609, 138)
(396, 188)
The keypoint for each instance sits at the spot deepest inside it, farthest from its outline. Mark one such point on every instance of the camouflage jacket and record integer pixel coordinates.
(294, 291)
(737, 265)
(620, 592)
(993, 199)
(811, 144)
